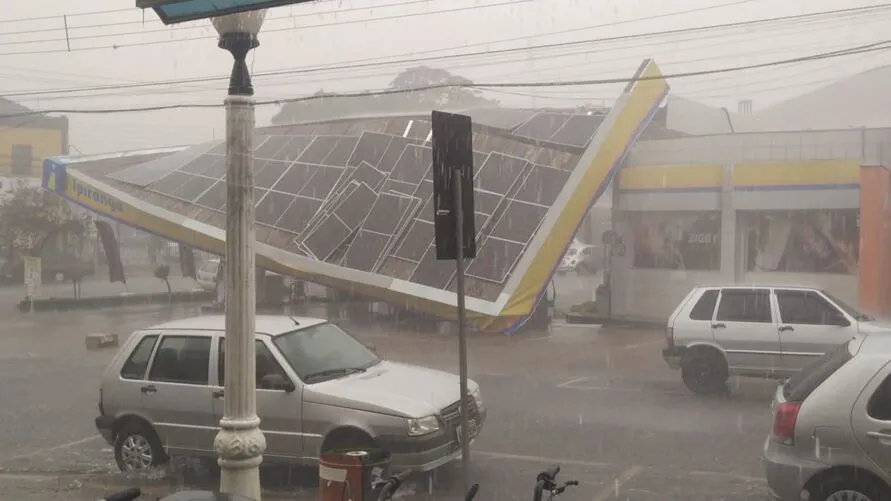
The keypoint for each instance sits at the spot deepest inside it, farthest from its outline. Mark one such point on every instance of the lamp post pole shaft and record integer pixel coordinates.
(240, 443)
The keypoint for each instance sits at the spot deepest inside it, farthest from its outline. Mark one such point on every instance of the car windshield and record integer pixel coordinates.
(850, 310)
(323, 352)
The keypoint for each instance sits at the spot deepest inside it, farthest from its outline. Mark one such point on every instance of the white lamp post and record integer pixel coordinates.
(240, 443)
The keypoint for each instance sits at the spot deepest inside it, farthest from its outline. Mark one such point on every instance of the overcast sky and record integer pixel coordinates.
(113, 43)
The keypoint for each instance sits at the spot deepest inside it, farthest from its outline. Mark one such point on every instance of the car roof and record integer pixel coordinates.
(759, 286)
(876, 344)
(271, 325)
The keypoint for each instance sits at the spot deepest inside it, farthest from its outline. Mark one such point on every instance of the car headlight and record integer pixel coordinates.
(478, 398)
(422, 426)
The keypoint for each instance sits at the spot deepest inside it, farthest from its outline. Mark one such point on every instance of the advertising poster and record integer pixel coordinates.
(678, 240)
(808, 241)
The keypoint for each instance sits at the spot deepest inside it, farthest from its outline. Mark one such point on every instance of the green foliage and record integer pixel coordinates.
(441, 97)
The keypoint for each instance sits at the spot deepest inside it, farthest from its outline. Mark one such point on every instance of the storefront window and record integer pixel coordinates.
(808, 241)
(678, 240)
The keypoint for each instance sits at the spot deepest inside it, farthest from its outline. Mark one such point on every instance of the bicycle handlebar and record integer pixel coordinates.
(549, 475)
(124, 495)
(472, 492)
(392, 484)
(547, 481)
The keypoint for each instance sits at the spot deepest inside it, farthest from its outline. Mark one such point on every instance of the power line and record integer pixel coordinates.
(872, 47)
(214, 37)
(188, 26)
(514, 74)
(57, 16)
(358, 64)
(289, 29)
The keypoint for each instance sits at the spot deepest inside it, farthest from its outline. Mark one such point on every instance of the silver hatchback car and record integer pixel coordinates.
(831, 438)
(756, 330)
(318, 388)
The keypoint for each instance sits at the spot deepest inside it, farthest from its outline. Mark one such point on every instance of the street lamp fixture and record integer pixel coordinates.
(240, 443)
(238, 35)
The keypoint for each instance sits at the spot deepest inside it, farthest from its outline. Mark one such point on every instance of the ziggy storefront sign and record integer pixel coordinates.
(86, 194)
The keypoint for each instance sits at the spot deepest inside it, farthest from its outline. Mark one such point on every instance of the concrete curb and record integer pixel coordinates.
(579, 319)
(156, 298)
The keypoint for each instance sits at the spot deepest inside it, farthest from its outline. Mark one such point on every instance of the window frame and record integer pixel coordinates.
(804, 292)
(148, 362)
(701, 297)
(870, 401)
(743, 290)
(161, 340)
(13, 156)
(218, 361)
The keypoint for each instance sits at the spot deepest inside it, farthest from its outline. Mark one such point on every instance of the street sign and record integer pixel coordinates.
(179, 11)
(453, 155)
(455, 235)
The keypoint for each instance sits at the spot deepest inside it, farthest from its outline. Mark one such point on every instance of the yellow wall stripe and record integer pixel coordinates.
(826, 172)
(656, 177)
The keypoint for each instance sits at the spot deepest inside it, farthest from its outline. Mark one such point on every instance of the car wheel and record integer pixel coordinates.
(850, 488)
(705, 373)
(138, 449)
(348, 439)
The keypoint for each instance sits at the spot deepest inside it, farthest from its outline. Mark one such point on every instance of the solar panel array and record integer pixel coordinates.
(365, 202)
(569, 129)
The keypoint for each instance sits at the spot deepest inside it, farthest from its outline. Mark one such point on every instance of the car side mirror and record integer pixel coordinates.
(371, 347)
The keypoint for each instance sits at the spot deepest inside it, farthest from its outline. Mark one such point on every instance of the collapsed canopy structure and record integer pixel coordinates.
(348, 203)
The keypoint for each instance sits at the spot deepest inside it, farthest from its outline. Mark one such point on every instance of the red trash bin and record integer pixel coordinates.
(350, 475)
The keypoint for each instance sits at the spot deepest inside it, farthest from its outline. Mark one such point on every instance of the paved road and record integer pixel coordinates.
(601, 403)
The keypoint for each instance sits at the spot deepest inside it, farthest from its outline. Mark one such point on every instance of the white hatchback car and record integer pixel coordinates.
(756, 330)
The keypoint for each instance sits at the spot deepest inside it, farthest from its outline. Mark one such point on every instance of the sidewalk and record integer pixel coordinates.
(98, 285)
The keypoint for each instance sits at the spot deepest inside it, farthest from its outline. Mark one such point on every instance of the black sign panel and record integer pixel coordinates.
(452, 154)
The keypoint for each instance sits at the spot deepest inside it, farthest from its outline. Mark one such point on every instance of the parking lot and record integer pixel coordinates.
(599, 402)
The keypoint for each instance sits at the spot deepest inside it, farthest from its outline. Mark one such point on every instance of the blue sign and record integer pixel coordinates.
(55, 177)
(178, 11)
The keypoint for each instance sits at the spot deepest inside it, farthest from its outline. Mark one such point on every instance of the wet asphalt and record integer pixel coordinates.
(600, 402)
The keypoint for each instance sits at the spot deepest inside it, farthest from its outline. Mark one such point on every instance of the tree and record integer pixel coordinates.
(449, 92)
(163, 273)
(32, 217)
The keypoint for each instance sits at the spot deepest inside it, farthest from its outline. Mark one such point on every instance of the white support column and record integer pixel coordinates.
(240, 443)
(729, 268)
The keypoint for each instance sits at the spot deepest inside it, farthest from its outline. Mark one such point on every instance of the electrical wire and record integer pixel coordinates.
(188, 26)
(862, 9)
(214, 37)
(358, 64)
(549, 68)
(872, 47)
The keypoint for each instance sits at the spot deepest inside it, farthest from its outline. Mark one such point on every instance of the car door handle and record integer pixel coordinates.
(878, 435)
(218, 394)
(148, 389)
(784, 328)
(719, 326)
